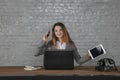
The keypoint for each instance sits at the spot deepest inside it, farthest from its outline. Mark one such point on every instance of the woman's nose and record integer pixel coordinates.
(58, 32)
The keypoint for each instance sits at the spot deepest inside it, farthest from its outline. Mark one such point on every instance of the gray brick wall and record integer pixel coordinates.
(89, 22)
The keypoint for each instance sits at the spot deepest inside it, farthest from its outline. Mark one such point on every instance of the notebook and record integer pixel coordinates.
(97, 51)
(58, 59)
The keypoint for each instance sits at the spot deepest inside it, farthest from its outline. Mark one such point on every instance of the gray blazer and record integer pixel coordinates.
(48, 45)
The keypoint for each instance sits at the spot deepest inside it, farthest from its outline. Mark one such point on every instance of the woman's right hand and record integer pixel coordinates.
(45, 36)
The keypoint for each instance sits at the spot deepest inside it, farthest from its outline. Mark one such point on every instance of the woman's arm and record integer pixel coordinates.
(80, 60)
(41, 49)
(43, 44)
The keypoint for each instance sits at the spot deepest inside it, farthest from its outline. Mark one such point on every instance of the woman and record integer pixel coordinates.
(61, 40)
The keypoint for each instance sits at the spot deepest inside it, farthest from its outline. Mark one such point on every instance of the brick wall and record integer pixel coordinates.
(89, 22)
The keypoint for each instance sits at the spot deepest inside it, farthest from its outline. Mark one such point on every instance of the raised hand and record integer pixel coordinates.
(45, 36)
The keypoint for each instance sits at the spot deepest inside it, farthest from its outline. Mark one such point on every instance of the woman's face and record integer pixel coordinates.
(58, 31)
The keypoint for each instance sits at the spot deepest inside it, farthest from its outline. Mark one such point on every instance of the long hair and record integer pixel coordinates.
(66, 38)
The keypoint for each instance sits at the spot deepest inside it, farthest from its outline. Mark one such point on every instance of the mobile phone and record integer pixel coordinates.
(48, 33)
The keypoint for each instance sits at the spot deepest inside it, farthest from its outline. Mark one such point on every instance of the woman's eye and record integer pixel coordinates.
(60, 29)
(55, 30)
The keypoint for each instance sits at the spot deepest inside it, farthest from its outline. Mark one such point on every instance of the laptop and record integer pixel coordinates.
(97, 51)
(58, 59)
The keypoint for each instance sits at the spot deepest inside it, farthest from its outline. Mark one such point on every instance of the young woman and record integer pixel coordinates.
(60, 40)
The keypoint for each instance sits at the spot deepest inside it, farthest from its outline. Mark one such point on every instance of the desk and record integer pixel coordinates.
(77, 71)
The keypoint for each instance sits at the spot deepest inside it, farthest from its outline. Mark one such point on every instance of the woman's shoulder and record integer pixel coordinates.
(71, 42)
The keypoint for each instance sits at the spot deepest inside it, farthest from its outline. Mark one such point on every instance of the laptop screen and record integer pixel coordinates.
(58, 59)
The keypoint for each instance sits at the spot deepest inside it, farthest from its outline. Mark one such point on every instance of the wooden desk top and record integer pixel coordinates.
(19, 71)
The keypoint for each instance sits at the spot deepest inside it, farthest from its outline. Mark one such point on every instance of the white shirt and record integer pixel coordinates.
(61, 45)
